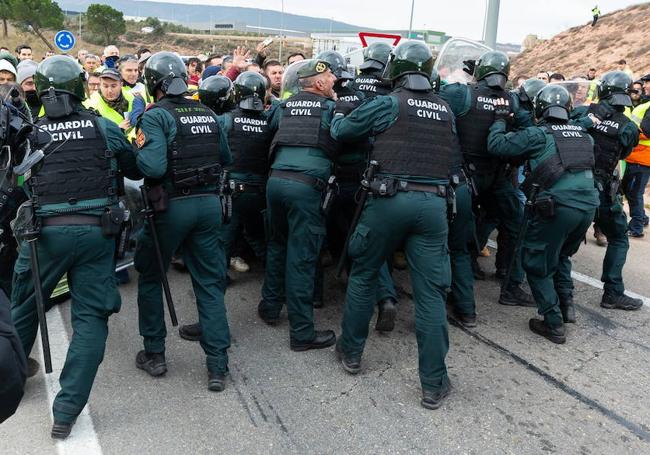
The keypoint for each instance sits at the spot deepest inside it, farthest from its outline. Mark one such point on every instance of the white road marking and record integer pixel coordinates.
(596, 283)
(83, 439)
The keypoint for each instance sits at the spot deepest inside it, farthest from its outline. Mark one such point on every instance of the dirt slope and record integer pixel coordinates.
(623, 34)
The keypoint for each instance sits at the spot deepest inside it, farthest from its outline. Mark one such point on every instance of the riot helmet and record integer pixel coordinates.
(375, 56)
(435, 80)
(290, 77)
(494, 68)
(553, 102)
(529, 88)
(337, 64)
(614, 88)
(217, 93)
(167, 72)
(59, 83)
(250, 90)
(412, 60)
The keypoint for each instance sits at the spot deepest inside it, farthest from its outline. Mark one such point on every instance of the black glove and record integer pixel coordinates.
(343, 108)
(468, 66)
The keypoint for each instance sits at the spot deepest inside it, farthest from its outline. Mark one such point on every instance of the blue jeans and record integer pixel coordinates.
(634, 183)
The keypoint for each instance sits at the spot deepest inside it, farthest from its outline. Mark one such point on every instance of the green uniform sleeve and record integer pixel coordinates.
(118, 144)
(369, 119)
(156, 131)
(270, 114)
(457, 96)
(525, 142)
(226, 156)
(628, 137)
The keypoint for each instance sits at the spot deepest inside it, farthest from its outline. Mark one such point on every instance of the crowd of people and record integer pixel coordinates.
(301, 160)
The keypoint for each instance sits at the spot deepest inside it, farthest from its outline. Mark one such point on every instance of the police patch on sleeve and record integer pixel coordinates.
(140, 138)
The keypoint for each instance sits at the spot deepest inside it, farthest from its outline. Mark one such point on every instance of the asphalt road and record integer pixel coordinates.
(513, 391)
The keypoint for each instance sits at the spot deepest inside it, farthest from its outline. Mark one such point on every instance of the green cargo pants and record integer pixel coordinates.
(612, 221)
(500, 205)
(548, 245)
(87, 256)
(192, 223)
(247, 208)
(462, 240)
(419, 221)
(296, 232)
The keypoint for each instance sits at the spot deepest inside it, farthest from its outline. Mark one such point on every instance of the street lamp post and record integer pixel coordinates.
(411, 21)
(281, 31)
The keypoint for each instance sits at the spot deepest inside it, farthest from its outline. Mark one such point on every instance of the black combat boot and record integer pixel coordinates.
(61, 430)
(264, 317)
(323, 339)
(466, 320)
(568, 309)
(432, 399)
(513, 295)
(151, 362)
(620, 302)
(216, 381)
(555, 334)
(386, 313)
(349, 363)
(191, 332)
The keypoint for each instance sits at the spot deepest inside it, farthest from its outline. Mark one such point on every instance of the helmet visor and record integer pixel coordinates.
(496, 81)
(252, 103)
(619, 99)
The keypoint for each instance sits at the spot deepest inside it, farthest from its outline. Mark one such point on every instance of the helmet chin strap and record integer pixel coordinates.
(57, 105)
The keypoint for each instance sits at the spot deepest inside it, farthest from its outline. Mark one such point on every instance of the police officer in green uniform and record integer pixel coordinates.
(349, 167)
(249, 139)
(218, 93)
(301, 164)
(560, 187)
(369, 81)
(415, 145)
(181, 151)
(461, 239)
(473, 106)
(615, 136)
(70, 193)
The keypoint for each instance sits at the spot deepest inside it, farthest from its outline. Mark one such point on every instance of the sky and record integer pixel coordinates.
(517, 18)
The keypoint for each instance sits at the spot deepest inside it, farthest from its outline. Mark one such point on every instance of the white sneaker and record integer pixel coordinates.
(239, 265)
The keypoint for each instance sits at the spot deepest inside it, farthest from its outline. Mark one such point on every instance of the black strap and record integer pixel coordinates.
(410, 186)
(316, 183)
(545, 175)
(71, 220)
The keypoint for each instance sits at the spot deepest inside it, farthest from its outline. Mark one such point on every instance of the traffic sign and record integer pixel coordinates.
(64, 40)
(363, 36)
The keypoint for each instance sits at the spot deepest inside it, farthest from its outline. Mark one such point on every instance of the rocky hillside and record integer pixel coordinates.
(623, 34)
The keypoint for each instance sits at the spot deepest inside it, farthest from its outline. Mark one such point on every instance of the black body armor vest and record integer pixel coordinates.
(370, 85)
(608, 148)
(421, 142)
(194, 157)
(575, 152)
(77, 165)
(300, 125)
(249, 141)
(349, 95)
(473, 127)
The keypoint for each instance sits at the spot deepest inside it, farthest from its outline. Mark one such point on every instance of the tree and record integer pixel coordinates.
(106, 22)
(154, 22)
(5, 15)
(37, 15)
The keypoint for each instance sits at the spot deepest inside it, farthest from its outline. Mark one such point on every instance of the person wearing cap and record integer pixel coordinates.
(25, 73)
(301, 159)
(112, 103)
(181, 150)
(349, 168)
(615, 136)
(8, 72)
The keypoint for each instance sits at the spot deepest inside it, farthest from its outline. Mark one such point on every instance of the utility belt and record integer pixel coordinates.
(238, 186)
(329, 189)
(197, 177)
(111, 221)
(389, 187)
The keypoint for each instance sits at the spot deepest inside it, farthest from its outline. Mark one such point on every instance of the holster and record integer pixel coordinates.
(330, 194)
(451, 203)
(544, 206)
(112, 220)
(158, 198)
(383, 187)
